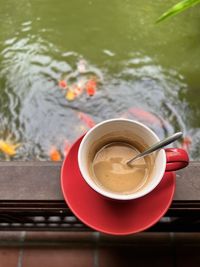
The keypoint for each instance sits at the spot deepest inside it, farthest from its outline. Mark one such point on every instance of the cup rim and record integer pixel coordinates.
(111, 195)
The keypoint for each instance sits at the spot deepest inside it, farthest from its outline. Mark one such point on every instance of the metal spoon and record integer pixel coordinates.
(156, 146)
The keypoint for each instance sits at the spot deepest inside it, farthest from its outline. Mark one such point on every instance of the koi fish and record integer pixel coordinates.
(144, 116)
(55, 154)
(86, 119)
(186, 143)
(62, 84)
(7, 148)
(77, 91)
(91, 86)
(159, 125)
(70, 95)
(67, 146)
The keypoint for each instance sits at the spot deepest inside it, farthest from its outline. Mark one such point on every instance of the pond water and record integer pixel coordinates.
(144, 70)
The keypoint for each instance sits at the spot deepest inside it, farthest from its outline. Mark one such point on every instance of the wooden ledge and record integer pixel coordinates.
(40, 181)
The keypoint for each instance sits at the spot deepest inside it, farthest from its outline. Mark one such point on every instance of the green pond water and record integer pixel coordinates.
(140, 66)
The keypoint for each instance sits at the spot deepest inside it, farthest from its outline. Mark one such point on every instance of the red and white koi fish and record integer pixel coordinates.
(79, 88)
(86, 119)
(54, 154)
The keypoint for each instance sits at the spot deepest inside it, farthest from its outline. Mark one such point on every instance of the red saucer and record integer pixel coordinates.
(108, 216)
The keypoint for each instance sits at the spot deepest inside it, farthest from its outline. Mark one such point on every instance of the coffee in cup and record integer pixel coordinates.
(110, 171)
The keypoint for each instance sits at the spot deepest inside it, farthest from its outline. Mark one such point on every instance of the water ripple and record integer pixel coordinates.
(35, 112)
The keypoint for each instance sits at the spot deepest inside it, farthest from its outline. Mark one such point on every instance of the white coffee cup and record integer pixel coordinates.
(115, 128)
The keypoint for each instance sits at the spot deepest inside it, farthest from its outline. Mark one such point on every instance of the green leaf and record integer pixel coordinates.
(181, 6)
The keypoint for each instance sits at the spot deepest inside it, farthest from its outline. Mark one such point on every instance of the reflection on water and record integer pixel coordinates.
(145, 72)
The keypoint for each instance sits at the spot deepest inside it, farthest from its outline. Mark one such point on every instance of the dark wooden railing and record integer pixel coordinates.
(31, 199)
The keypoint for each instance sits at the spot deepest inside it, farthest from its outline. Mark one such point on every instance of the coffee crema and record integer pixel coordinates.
(110, 171)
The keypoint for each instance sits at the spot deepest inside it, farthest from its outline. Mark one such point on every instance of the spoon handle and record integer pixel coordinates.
(157, 146)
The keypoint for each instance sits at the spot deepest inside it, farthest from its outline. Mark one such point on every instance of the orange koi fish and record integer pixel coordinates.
(91, 86)
(86, 119)
(159, 125)
(144, 116)
(7, 148)
(55, 154)
(67, 146)
(62, 84)
(186, 143)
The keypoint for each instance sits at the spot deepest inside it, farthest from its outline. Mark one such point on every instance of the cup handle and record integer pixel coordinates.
(177, 158)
